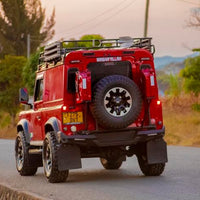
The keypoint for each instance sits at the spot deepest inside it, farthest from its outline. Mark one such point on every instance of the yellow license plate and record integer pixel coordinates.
(73, 118)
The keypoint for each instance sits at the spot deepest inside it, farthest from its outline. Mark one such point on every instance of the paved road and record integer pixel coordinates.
(180, 181)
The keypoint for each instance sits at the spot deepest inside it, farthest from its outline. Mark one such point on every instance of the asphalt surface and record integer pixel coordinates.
(180, 180)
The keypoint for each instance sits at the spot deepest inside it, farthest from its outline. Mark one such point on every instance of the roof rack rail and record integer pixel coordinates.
(53, 52)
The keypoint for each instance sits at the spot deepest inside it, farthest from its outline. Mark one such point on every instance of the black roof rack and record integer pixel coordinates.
(53, 52)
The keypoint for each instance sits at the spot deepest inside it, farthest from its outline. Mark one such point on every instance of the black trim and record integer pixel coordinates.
(53, 122)
(88, 54)
(71, 77)
(122, 137)
(23, 126)
(128, 52)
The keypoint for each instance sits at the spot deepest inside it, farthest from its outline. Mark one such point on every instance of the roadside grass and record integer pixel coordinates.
(182, 128)
(6, 129)
(181, 121)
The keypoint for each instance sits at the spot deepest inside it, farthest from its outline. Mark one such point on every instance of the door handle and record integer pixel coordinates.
(38, 118)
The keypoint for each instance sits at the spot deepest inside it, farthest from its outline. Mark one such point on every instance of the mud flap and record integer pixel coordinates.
(68, 157)
(156, 151)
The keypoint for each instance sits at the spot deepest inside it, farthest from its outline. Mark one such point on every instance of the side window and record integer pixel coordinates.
(39, 90)
(71, 87)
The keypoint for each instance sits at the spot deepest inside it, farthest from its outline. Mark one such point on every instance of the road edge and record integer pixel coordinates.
(7, 192)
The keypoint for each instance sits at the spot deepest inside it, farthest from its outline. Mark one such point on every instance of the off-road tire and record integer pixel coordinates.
(50, 160)
(117, 102)
(24, 163)
(150, 169)
(110, 164)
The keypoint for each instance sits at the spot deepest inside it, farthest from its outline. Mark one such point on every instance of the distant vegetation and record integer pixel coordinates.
(18, 20)
(10, 82)
(179, 77)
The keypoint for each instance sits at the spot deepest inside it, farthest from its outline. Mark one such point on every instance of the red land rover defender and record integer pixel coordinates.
(100, 101)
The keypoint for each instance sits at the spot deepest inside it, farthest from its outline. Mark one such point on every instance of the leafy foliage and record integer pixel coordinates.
(29, 71)
(90, 37)
(170, 84)
(85, 44)
(163, 80)
(175, 88)
(196, 107)
(18, 18)
(191, 74)
(10, 82)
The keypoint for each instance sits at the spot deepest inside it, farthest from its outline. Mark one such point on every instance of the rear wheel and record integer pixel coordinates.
(50, 160)
(110, 163)
(24, 162)
(117, 102)
(150, 169)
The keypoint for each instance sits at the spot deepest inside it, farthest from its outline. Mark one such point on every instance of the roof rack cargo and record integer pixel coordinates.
(53, 52)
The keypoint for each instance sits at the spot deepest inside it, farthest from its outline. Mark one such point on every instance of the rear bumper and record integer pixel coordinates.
(122, 137)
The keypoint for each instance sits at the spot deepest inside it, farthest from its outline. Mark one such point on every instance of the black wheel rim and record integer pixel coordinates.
(19, 154)
(47, 158)
(118, 101)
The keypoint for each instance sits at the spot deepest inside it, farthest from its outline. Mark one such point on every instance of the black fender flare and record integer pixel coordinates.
(23, 125)
(52, 125)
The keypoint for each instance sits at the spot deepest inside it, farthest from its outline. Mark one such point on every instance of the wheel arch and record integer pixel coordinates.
(53, 124)
(23, 125)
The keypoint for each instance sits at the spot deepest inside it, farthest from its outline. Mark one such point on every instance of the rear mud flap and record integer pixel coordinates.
(68, 157)
(156, 151)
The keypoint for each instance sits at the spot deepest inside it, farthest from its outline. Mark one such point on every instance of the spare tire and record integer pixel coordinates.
(117, 102)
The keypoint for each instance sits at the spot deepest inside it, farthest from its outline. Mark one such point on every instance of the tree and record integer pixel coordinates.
(195, 18)
(175, 85)
(85, 44)
(163, 80)
(29, 71)
(191, 74)
(18, 18)
(90, 37)
(10, 82)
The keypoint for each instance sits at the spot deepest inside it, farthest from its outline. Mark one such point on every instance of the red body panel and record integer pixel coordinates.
(57, 100)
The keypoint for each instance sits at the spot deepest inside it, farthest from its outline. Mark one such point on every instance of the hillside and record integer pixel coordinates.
(161, 62)
(173, 68)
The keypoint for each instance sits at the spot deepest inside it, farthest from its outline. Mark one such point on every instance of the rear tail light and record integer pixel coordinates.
(158, 102)
(153, 121)
(64, 108)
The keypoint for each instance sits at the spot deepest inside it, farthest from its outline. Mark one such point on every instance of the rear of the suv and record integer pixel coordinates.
(92, 103)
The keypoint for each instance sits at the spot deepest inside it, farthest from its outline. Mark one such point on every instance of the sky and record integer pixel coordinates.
(115, 18)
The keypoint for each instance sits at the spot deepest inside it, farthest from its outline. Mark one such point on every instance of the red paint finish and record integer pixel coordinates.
(56, 99)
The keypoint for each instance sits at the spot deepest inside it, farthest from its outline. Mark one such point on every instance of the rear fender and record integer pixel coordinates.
(53, 124)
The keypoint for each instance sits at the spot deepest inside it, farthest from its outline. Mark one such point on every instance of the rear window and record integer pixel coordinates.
(100, 70)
